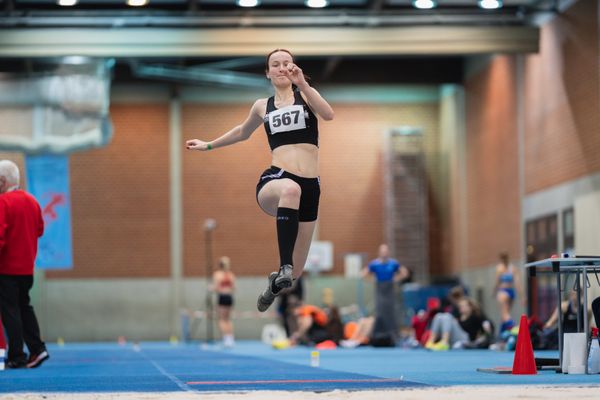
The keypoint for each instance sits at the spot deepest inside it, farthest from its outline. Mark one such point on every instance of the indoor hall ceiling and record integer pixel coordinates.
(281, 4)
(435, 68)
(197, 13)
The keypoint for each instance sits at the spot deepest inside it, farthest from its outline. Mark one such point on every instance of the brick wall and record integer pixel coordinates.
(561, 123)
(120, 193)
(562, 139)
(492, 163)
(352, 159)
(221, 184)
(120, 199)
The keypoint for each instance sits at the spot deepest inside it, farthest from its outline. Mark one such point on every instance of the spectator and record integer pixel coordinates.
(361, 333)
(570, 314)
(596, 311)
(421, 322)
(448, 332)
(21, 225)
(507, 282)
(224, 285)
(314, 325)
(386, 271)
(287, 302)
(455, 295)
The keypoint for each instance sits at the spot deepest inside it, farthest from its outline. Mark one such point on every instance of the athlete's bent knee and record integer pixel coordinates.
(291, 191)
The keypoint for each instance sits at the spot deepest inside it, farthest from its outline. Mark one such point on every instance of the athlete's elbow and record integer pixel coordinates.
(329, 115)
(243, 136)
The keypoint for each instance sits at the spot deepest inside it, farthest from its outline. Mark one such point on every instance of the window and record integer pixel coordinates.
(541, 242)
(568, 231)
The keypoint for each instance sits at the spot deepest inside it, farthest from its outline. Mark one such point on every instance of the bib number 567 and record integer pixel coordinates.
(286, 118)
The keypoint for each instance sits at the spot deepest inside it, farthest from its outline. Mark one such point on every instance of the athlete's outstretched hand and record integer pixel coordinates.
(196, 144)
(295, 74)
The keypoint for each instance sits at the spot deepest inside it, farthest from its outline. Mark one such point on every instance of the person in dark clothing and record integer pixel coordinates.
(455, 295)
(449, 332)
(570, 313)
(386, 271)
(335, 326)
(596, 310)
(311, 327)
(287, 300)
(21, 225)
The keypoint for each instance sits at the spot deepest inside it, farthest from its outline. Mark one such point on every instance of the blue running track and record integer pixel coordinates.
(162, 367)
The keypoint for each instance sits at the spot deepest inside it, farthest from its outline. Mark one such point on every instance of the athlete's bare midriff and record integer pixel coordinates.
(300, 159)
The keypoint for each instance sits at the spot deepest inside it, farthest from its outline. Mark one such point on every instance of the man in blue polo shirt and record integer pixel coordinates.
(383, 267)
(387, 271)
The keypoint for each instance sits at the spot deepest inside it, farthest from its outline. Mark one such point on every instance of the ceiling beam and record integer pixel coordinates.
(244, 42)
(200, 75)
(255, 18)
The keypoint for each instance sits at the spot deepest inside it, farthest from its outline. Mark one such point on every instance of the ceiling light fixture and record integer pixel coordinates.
(247, 3)
(490, 4)
(316, 3)
(424, 4)
(137, 3)
(66, 3)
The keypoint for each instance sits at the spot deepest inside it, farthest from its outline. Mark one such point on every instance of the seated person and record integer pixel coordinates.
(314, 325)
(335, 326)
(568, 308)
(455, 295)
(596, 312)
(288, 299)
(421, 322)
(466, 331)
(361, 333)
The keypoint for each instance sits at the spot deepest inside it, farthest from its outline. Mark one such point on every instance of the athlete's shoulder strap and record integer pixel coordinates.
(298, 99)
(270, 104)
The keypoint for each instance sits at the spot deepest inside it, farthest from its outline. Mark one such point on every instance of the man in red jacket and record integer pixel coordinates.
(21, 225)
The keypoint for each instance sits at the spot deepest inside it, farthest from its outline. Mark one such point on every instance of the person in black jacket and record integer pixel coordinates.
(450, 332)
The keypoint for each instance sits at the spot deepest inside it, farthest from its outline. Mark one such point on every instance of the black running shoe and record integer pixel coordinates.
(267, 297)
(284, 279)
(35, 360)
(15, 364)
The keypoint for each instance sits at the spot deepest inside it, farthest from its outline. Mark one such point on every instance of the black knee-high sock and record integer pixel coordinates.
(287, 231)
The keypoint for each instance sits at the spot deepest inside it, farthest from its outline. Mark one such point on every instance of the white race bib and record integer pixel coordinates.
(287, 119)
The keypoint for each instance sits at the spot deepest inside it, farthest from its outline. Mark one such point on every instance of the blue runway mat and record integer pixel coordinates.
(162, 367)
(448, 368)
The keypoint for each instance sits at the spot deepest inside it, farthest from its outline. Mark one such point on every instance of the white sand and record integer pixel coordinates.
(446, 393)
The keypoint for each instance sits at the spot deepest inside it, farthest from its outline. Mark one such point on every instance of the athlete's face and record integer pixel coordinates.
(465, 307)
(384, 251)
(225, 263)
(278, 66)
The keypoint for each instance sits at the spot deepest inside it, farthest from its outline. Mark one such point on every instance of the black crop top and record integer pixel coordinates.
(292, 124)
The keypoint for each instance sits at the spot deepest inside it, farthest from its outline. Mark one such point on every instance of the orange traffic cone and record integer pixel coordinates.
(524, 362)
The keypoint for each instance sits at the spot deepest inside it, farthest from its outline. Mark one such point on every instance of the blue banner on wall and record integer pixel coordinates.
(48, 182)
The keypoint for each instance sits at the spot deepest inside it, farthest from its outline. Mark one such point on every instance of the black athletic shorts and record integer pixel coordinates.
(311, 191)
(225, 300)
